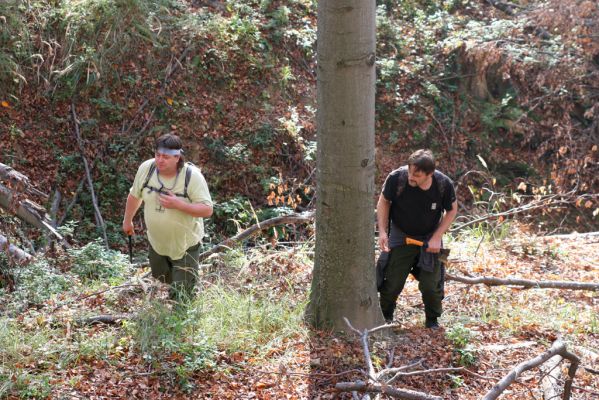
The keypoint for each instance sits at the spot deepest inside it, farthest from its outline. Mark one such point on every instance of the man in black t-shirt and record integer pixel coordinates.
(419, 203)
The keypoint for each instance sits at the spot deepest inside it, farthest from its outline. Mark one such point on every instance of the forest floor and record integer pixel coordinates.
(487, 329)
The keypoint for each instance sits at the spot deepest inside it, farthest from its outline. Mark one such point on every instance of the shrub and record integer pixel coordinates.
(460, 337)
(94, 261)
(37, 282)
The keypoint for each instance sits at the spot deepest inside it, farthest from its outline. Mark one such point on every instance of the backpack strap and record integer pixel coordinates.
(188, 166)
(402, 180)
(153, 189)
(149, 175)
(441, 183)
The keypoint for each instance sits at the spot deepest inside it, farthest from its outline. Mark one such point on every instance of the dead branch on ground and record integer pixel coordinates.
(558, 348)
(28, 211)
(377, 382)
(90, 182)
(57, 198)
(544, 203)
(575, 235)
(20, 256)
(255, 229)
(525, 283)
(105, 319)
(19, 181)
(551, 378)
(364, 387)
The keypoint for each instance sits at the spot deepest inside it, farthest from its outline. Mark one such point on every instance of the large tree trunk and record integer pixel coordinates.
(343, 282)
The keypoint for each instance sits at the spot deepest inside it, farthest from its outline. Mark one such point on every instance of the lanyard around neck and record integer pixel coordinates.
(162, 186)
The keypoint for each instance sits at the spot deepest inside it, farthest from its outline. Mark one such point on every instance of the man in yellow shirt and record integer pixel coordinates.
(176, 199)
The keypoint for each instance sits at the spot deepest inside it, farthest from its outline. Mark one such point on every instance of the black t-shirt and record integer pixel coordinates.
(417, 212)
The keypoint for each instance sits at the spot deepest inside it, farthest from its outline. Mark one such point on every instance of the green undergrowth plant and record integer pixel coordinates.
(170, 338)
(37, 282)
(95, 262)
(246, 321)
(189, 336)
(460, 337)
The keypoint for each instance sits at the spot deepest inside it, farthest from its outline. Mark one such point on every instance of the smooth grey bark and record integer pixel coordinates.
(343, 282)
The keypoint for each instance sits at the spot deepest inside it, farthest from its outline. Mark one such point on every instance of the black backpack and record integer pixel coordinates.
(188, 166)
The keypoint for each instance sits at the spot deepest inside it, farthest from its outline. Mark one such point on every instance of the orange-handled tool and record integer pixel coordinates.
(416, 242)
(443, 253)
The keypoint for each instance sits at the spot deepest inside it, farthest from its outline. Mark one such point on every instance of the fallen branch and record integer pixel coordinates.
(20, 256)
(22, 182)
(256, 228)
(503, 347)
(543, 203)
(575, 235)
(104, 319)
(558, 348)
(493, 281)
(434, 371)
(551, 378)
(28, 211)
(364, 387)
(90, 183)
(375, 382)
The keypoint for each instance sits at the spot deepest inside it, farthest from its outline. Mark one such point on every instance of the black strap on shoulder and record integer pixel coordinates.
(149, 175)
(187, 178)
(402, 180)
(159, 190)
(441, 183)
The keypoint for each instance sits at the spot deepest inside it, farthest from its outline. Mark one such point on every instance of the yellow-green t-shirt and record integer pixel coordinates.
(171, 232)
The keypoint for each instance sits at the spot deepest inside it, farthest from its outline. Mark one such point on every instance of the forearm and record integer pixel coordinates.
(131, 208)
(195, 209)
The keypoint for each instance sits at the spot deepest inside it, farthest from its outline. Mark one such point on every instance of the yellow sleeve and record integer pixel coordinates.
(140, 178)
(198, 188)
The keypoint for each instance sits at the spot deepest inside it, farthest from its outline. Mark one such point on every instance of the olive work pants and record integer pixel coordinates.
(401, 261)
(180, 274)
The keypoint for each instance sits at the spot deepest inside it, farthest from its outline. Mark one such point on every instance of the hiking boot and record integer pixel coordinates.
(431, 323)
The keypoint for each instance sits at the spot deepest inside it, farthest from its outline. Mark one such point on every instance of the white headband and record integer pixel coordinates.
(169, 152)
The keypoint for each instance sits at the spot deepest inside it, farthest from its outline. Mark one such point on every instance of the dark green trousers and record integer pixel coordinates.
(401, 261)
(180, 274)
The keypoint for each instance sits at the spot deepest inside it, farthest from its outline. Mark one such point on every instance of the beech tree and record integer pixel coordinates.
(343, 283)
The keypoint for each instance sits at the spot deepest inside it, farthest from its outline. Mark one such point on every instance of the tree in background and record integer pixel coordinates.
(343, 283)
